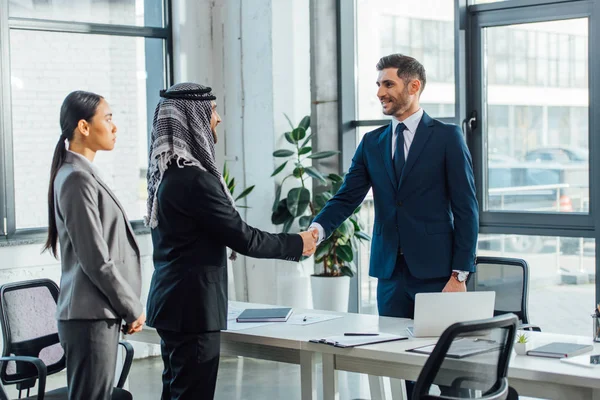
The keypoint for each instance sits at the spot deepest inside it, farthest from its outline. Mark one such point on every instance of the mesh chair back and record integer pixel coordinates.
(509, 278)
(470, 360)
(29, 328)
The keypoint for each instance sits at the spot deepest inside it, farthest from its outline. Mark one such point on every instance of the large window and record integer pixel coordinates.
(117, 49)
(424, 31)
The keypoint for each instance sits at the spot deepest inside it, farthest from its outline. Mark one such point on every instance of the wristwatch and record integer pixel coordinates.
(460, 276)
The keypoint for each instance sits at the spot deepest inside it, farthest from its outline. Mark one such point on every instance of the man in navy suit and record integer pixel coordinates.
(426, 212)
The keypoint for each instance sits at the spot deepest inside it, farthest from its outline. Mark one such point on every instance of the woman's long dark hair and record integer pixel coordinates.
(77, 105)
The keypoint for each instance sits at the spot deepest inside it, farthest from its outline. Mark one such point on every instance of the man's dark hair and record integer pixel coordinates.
(408, 68)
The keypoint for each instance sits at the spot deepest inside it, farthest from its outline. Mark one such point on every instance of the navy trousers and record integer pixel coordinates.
(396, 296)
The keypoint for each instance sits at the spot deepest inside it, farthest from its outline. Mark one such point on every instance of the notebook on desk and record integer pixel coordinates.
(353, 341)
(265, 315)
(560, 350)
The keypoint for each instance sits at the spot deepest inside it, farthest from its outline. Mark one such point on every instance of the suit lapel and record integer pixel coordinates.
(71, 158)
(129, 227)
(385, 146)
(424, 130)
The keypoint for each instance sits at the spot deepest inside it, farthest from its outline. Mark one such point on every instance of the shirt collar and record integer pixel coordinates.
(412, 122)
(87, 162)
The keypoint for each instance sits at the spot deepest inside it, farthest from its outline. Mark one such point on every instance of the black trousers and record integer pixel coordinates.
(91, 353)
(191, 362)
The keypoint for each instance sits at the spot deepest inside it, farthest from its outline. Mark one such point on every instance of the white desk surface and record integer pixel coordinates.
(379, 357)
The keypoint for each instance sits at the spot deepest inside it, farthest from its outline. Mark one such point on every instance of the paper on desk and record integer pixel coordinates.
(232, 325)
(298, 319)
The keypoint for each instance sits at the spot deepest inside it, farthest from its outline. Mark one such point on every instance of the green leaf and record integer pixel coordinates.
(297, 201)
(321, 199)
(279, 169)
(288, 224)
(323, 249)
(289, 138)
(357, 210)
(323, 154)
(298, 172)
(362, 236)
(346, 228)
(305, 123)
(283, 153)
(245, 193)
(304, 150)
(355, 224)
(345, 271)
(277, 197)
(231, 185)
(345, 253)
(288, 120)
(225, 173)
(298, 134)
(281, 214)
(335, 178)
(305, 221)
(313, 173)
(307, 139)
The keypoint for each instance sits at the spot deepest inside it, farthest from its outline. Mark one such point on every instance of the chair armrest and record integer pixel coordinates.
(529, 327)
(126, 364)
(39, 365)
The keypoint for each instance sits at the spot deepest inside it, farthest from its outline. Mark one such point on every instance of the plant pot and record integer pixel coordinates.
(330, 292)
(522, 348)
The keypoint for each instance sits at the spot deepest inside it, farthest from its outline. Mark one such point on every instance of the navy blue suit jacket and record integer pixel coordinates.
(431, 213)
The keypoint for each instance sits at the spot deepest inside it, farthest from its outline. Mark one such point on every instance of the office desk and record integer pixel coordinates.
(276, 342)
(530, 376)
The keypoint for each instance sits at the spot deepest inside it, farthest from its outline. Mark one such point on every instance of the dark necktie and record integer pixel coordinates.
(399, 153)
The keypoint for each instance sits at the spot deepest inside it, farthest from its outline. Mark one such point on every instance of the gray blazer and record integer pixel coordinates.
(101, 273)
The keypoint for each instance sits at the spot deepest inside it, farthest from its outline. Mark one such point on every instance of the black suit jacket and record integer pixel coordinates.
(196, 222)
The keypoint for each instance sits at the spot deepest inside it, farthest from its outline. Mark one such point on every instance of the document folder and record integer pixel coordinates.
(463, 347)
(353, 341)
(265, 315)
(560, 350)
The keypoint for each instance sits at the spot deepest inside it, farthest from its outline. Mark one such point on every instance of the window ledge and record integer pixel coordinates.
(25, 238)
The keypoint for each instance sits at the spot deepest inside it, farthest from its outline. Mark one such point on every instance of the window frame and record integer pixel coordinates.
(8, 228)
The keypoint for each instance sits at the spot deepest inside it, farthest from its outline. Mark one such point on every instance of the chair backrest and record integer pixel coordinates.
(509, 278)
(480, 375)
(29, 328)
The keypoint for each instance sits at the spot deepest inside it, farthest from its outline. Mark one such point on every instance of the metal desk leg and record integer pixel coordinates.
(308, 371)
(330, 384)
(377, 388)
(398, 389)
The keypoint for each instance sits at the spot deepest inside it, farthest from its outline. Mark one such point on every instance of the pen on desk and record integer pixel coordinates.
(360, 334)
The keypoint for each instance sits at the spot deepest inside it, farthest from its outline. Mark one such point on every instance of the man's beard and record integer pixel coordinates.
(214, 133)
(400, 104)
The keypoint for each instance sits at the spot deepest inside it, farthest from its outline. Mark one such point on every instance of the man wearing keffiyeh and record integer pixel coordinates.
(193, 219)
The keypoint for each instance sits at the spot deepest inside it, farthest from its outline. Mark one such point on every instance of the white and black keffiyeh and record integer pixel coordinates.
(181, 133)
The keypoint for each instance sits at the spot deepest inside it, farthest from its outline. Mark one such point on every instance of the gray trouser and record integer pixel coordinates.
(91, 351)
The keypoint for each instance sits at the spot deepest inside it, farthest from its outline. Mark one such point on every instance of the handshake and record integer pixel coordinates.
(309, 240)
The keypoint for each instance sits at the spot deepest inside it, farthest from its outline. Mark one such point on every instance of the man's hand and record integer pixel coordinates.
(136, 326)
(315, 233)
(310, 244)
(454, 285)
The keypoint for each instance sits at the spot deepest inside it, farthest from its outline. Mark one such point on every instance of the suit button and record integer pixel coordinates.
(399, 204)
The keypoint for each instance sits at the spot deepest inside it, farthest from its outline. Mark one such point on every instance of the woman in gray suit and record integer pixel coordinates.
(101, 278)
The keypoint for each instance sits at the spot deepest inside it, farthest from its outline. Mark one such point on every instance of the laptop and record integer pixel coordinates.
(434, 312)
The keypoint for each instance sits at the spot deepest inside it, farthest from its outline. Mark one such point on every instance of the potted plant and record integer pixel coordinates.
(334, 257)
(231, 185)
(522, 345)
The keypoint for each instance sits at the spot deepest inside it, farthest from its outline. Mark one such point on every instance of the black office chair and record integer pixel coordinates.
(481, 376)
(30, 333)
(509, 278)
